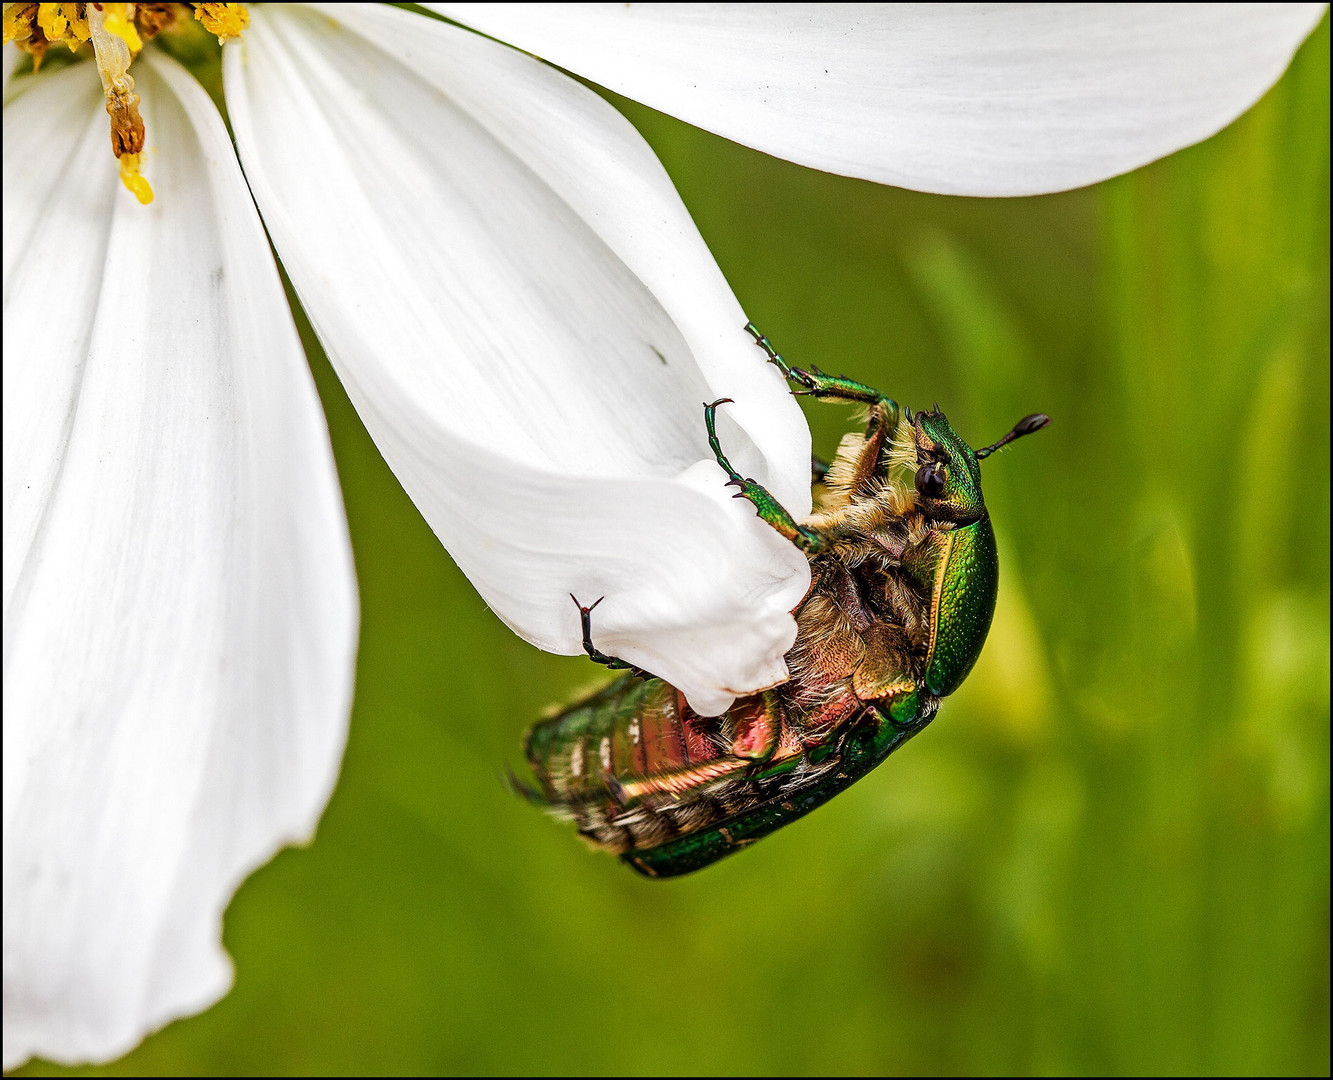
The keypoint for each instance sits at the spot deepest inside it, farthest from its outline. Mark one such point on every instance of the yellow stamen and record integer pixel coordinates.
(137, 183)
(18, 22)
(78, 24)
(223, 20)
(120, 21)
(51, 18)
(35, 27)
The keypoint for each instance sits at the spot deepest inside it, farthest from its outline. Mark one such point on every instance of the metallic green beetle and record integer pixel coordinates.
(903, 584)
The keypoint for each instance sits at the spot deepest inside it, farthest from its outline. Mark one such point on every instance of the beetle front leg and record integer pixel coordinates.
(808, 540)
(825, 387)
(880, 424)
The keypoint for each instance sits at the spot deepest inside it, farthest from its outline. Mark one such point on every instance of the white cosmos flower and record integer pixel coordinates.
(528, 323)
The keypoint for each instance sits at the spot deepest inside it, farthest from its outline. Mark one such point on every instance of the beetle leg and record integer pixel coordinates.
(825, 387)
(594, 653)
(883, 676)
(808, 540)
(880, 424)
(868, 472)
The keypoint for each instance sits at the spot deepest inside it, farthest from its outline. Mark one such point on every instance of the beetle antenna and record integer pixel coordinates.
(1026, 426)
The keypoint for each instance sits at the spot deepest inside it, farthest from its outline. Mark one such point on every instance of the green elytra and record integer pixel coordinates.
(903, 589)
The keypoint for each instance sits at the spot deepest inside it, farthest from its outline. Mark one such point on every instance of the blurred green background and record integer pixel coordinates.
(1110, 853)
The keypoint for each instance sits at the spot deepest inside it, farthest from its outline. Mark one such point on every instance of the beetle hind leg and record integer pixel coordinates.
(594, 653)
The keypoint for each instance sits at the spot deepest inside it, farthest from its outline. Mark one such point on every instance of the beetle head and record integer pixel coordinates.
(948, 478)
(948, 470)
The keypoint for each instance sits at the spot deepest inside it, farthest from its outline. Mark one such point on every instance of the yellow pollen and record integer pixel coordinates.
(20, 27)
(137, 183)
(36, 27)
(78, 24)
(51, 18)
(18, 22)
(120, 21)
(223, 20)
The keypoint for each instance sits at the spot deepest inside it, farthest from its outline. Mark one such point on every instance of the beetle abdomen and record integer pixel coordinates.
(633, 765)
(629, 729)
(779, 803)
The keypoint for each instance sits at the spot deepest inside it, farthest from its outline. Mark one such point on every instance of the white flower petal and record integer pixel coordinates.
(961, 99)
(12, 84)
(9, 60)
(529, 324)
(179, 600)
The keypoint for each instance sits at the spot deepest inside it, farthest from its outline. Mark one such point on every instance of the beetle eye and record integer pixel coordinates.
(930, 480)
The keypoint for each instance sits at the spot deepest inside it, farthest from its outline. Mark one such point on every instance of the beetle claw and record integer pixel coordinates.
(585, 610)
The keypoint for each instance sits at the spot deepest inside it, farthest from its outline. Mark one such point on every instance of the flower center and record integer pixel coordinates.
(115, 33)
